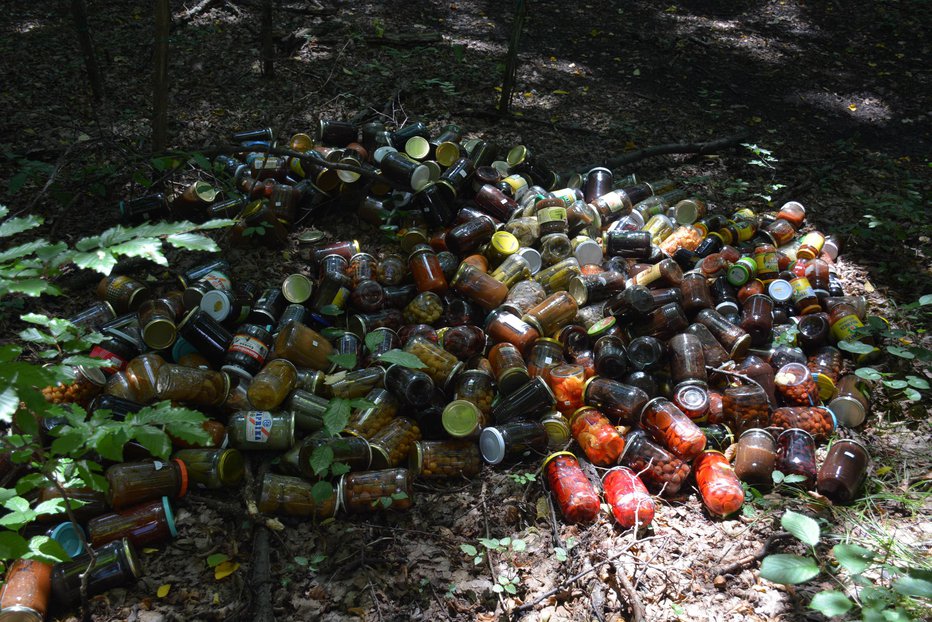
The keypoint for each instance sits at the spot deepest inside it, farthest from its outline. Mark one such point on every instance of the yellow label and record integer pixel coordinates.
(801, 289)
(843, 329)
(767, 263)
(648, 276)
(744, 229)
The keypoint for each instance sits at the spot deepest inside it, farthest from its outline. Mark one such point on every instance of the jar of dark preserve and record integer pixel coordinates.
(796, 456)
(248, 349)
(512, 440)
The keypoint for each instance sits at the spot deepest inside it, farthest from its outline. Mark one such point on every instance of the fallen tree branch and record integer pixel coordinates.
(750, 559)
(705, 148)
(637, 607)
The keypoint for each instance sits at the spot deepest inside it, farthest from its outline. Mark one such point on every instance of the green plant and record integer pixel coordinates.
(498, 545)
(522, 479)
(873, 586)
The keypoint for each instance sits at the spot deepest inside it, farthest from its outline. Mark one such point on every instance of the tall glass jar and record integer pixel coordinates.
(663, 322)
(211, 468)
(391, 444)
(134, 482)
(851, 403)
(760, 371)
(545, 354)
(26, 591)
(508, 366)
(365, 422)
(745, 407)
(661, 471)
(531, 400)
(425, 308)
(303, 347)
(733, 338)
(553, 312)
(557, 277)
(796, 456)
(719, 487)
(513, 439)
(574, 495)
(693, 400)
(696, 293)
(293, 496)
(445, 459)
(756, 457)
(514, 269)
(426, 270)
(479, 287)
(843, 472)
(597, 437)
(826, 361)
(672, 429)
(625, 493)
(524, 295)
(757, 319)
(618, 401)
(440, 365)
(411, 386)
(151, 522)
(115, 565)
(687, 362)
(504, 326)
(194, 386)
(467, 238)
(142, 373)
(371, 491)
(567, 383)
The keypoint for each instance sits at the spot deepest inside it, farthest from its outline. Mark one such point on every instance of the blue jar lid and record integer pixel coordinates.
(169, 517)
(68, 536)
(181, 348)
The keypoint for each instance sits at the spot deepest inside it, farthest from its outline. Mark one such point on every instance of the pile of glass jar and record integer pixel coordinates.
(558, 323)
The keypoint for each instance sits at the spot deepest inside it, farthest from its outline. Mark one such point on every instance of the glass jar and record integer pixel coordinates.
(148, 523)
(479, 287)
(567, 382)
(303, 347)
(796, 387)
(462, 418)
(545, 354)
(508, 366)
(411, 386)
(757, 319)
(804, 296)
(592, 288)
(696, 293)
(765, 260)
(819, 422)
(756, 457)
(597, 437)
(662, 323)
(248, 350)
(211, 468)
(672, 429)
(718, 485)
(818, 274)
(629, 244)
(611, 356)
(134, 482)
(761, 372)
(793, 212)
(93, 502)
(851, 403)
(475, 386)
(780, 231)
(525, 229)
(272, 384)
(157, 323)
(192, 385)
(621, 402)
(574, 495)
(426, 308)
(369, 491)
(440, 365)
(647, 353)
(308, 410)
(115, 565)
(362, 267)
(693, 400)
(512, 270)
(504, 326)
(796, 456)
(292, 496)
(87, 383)
(426, 270)
(745, 407)
(812, 331)
(556, 278)
(258, 430)
(365, 422)
(445, 459)
(826, 361)
(463, 342)
(26, 591)
(391, 270)
(733, 338)
(687, 362)
(553, 312)
(554, 248)
(352, 451)
(206, 335)
(665, 273)
(123, 293)
(391, 444)
(524, 295)
(466, 238)
(843, 472)
(531, 400)
(625, 493)
(661, 471)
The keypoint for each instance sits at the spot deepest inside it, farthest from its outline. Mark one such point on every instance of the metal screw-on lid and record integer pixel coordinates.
(297, 288)
(577, 289)
(780, 290)
(533, 258)
(460, 418)
(848, 411)
(492, 445)
(20, 613)
(416, 458)
(588, 252)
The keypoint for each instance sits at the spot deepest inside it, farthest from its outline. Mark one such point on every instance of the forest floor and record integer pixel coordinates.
(836, 92)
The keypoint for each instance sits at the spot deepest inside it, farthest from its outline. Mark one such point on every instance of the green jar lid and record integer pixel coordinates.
(558, 430)
(297, 288)
(601, 327)
(460, 418)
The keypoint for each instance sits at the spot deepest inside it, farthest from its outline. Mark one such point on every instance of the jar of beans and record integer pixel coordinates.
(820, 422)
(745, 407)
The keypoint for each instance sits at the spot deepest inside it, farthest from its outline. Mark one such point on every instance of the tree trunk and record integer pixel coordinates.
(160, 76)
(511, 61)
(268, 44)
(79, 14)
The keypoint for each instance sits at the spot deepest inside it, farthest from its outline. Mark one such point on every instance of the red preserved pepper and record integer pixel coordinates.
(675, 431)
(631, 504)
(578, 501)
(720, 488)
(597, 436)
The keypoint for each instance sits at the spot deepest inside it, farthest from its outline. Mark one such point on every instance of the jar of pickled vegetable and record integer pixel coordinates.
(134, 482)
(445, 459)
(462, 419)
(819, 422)
(147, 523)
(212, 468)
(365, 422)
(795, 385)
(574, 495)
(597, 437)
(440, 365)
(618, 401)
(796, 456)
(672, 429)
(259, 430)
(843, 472)
(391, 444)
(553, 312)
(504, 326)
(426, 308)
(293, 496)
(426, 270)
(512, 270)
(532, 399)
(745, 407)
(661, 471)
(567, 382)
(303, 347)
(25, 595)
(719, 487)
(693, 400)
(372, 491)
(475, 386)
(687, 361)
(756, 457)
(508, 367)
(272, 384)
(826, 361)
(479, 287)
(556, 278)
(195, 386)
(625, 493)
(467, 238)
(524, 295)
(545, 354)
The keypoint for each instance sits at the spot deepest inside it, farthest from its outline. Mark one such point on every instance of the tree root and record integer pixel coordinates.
(705, 148)
(750, 559)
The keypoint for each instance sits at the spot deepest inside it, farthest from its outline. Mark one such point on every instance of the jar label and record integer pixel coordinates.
(844, 329)
(250, 346)
(99, 352)
(258, 427)
(513, 322)
(802, 289)
(767, 263)
(744, 229)
(219, 280)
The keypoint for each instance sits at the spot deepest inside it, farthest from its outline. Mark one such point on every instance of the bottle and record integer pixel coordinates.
(843, 472)
(718, 485)
(661, 471)
(132, 483)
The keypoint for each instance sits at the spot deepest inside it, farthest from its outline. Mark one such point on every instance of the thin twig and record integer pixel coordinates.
(711, 146)
(750, 559)
(637, 607)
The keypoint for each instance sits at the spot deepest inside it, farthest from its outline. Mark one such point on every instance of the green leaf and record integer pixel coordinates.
(917, 383)
(510, 588)
(925, 300)
(831, 603)
(46, 549)
(321, 459)
(518, 545)
(16, 504)
(193, 242)
(216, 559)
(148, 248)
(912, 395)
(217, 223)
(903, 353)
(400, 357)
(51, 506)
(12, 545)
(868, 373)
(788, 569)
(853, 558)
(560, 553)
(30, 482)
(346, 360)
(154, 440)
(12, 226)
(804, 528)
(331, 310)
(793, 478)
(339, 468)
(855, 347)
(100, 261)
(913, 586)
(373, 340)
(33, 287)
(22, 250)
(322, 491)
(109, 441)
(777, 477)
(469, 549)
(67, 443)
(895, 384)
(9, 352)
(336, 416)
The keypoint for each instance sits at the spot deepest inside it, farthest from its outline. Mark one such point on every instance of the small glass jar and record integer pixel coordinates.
(157, 323)
(248, 350)
(756, 457)
(757, 319)
(272, 384)
(733, 338)
(212, 468)
(719, 487)
(545, 354)
(672, 429)
(445, 459)
(554, 248)
(745, 407)
(818, 273)
(780, 231)
(115, 565)
(765, 261)
(508, 366)
(597, 437)
(687, 362)
(796, 387)
(557, 277)
(467, 238)
(475, 386)
(192, 385)
(819, 422)
(662, 323)
(843, 472)
(304, 347)
(391, 444)
(531, 400)
(661, 471)
(796, 456)
(26, 591)
(132, 483)
(693, 400)
(567, 383)
(440, 365)
(123, 293)
(479, 287)
(851, 403)
(426, 270)
(464, 342)
(611, 356)
(804, 296)
(391, 270)
(292, 496)
(371, 491)
(618, 401)
(574, 495)
(426, 308)
(365, 422)
(625, 493)
(504, 326)
(514, 269)
(524, 295)
(259, 430)
(552, 313)
(148, 523)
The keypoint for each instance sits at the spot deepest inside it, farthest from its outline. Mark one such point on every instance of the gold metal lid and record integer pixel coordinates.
(416, 458)
(460, 418)
(297, 288)
(159, 333)
(505, 243)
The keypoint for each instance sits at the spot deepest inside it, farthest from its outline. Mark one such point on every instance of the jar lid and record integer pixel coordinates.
(183, 476)
(169, 517)
(826, 386)
(797, 430)
(416, 458)
(66, 534)
(20, 613)
(231, 467)
(182, 348)
(417, 147)
(578, 290)
(132, 560)
(310, 236)
(558, 431)
(217, 304)
(159, 333)
(505, 243)
(420, 177)
(532, 257)
(602, 326)
(516, 155)
(741, 347)
(460, 418)
(512, 379)
(94, 375)
(380, 457)
(492, 445)
(738, 274)
(557, 454)
(848, 411)
(588, 252)
(297, 288)
(780, 290)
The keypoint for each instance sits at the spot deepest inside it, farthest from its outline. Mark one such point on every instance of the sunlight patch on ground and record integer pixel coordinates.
(26, 26)
(864, 107)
